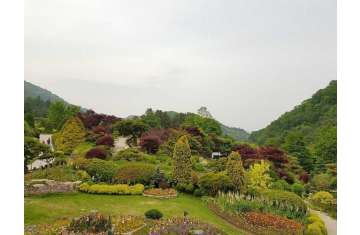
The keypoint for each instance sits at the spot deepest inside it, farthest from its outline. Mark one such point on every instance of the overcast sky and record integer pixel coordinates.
(247, 61)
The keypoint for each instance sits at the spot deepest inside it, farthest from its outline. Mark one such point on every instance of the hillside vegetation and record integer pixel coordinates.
(312, 125)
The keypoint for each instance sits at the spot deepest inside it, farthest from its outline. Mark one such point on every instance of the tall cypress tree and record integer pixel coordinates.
(236, 171)
(182, 162)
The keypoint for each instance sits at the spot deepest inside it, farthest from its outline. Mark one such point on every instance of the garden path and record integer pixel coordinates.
(330, 223)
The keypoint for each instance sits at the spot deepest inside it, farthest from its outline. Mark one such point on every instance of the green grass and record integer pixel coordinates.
(48, 208)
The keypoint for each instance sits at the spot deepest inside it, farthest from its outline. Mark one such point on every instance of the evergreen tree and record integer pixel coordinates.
(296, 146)
(71, 135)
(236, 171)
(182, 161)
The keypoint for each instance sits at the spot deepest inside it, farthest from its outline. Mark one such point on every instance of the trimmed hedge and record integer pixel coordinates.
(117, 189)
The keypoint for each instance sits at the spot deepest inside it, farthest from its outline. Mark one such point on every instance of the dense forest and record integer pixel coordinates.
(308, 131)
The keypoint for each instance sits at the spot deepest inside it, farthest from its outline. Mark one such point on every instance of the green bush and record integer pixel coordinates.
(212, 183)
(101, 170)
(186, 188)
(135, 173)
(324, 201)
(298, 188)
(315, 225)
(119, 189)
(83, 175)
(130, 154)
(153, 214)
(286, 201)
(281, 185)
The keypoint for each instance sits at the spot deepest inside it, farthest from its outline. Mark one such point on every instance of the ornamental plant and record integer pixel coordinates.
(92, 223)
(97, 152)
(71, 135)
(181, 161)
(153, 214)
(236, 171)
(101, 170)
(135, 173)
(116, 189)
(258, 177)
(105, 140)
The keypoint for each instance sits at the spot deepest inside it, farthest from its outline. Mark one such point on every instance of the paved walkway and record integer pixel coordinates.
(120, 144)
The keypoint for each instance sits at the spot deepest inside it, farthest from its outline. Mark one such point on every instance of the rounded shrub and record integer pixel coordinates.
(101, 170)
(97, 152)
(105, 140)
(212, 183)
(298, 188)
(135, 173)
(129, 154)
(153, 214)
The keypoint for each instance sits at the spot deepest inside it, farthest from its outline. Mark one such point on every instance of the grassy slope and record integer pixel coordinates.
(47, 208)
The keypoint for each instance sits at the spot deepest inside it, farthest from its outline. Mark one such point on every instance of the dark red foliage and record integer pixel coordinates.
(274, 155)
(150, 143)
(304, 177)
(97, 152)
(194, 131)
(246, 152)
(101, 130)
(151, 140)
(105, 140)
(92, 119)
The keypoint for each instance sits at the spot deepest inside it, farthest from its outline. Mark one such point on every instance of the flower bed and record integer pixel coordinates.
(128, 224)
(183, 225)
(259, 223)
(160, 193)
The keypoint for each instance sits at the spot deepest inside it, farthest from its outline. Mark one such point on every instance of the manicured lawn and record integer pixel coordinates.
(47, 208)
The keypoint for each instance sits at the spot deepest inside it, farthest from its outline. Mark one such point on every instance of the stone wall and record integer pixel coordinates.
(43, 186)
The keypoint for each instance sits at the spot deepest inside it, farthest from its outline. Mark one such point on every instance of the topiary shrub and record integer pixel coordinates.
(97, 152)
(105, 140)
(153, 214)
(135, 173)
(101, 170)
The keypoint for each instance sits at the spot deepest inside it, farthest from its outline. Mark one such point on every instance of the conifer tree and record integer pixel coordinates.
(236, 171)
(182, 161)
(71, 135)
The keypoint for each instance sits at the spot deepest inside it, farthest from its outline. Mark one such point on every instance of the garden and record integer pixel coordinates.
(165, 181)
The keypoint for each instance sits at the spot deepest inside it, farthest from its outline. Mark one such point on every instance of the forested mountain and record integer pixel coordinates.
(311, 124)
(234, 132)
(33, 91)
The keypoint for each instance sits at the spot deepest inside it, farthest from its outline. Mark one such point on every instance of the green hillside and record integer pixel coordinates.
(313, 122)
(234, 132)
(33, 91)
